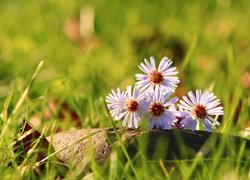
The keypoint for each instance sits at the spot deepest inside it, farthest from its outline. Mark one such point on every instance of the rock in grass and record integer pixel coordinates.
(79, 144)
(76, 146)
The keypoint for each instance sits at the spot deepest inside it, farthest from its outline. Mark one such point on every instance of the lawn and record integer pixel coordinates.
(60, 59)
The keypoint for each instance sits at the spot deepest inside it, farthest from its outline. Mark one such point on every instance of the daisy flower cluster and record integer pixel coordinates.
(151, 99)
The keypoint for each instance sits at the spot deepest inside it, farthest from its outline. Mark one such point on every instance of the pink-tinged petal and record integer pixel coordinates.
(157, 124)
(152, 124)
(119, 116)
(166, 125)
(165, 96)
(188, 101)
(192, 97)
(157, 93)
(187, 106)
(172, 119)
(166, 66)
(130, 122)
(144, 68)
(216, 108)
(187, 122)
(213, 104)
(213, 120)
(203, 96)
(170, 73)
(129, 89)
(170, 70)
(216, 111)
(152, 61)
(124, 122)
(198, 96)
(207, 125)
(148, 64)
(141, 77)
(135, 92)
(135, 120)
(168, 86)
(171, 101)
(143, 106)
(210, 98)
(162, 63)
(144, 86)
(143, 82)
(172, 79)
(194, 125)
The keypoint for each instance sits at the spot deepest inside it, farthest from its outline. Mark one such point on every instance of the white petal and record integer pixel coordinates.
(143, 106)
(124, 122)
(141, 76)
(213, 120)
(129, 89)
(213, 104)
(165, 95)
(171, 101)
(148, 64)
(188, 101)
(209, 98)
(157, 93)
(198, 96)
(130, 122)
(186, 108)
(136, 119)
(216, 111)
(167, 65)
(194, 125)
(119, 115)
(170, 70)
(186, 105)
(192, 97)
(145, 85)
(169, 73)
(207, 125)
(162, 63)
(204, 94)
(144, 68)
(152, 124)
(135, 92)
(166, 125)
(152, 61)
(187, 122)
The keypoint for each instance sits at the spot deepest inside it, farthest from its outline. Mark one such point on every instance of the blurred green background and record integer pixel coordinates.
(91, 47)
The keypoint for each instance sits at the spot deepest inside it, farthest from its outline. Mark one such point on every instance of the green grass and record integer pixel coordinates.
(208, 41)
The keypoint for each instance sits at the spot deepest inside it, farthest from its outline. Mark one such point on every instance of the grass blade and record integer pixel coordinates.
(121, 143)
(22, 99)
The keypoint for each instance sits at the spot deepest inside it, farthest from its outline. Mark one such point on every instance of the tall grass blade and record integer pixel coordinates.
(4, 114)
(188, 56)
(22, 99)
(120, 141)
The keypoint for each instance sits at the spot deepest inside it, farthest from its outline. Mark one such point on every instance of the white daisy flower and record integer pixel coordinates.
(128, 105)
(163, 77)
(201, 107)
(115, 101)
(160, 114)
